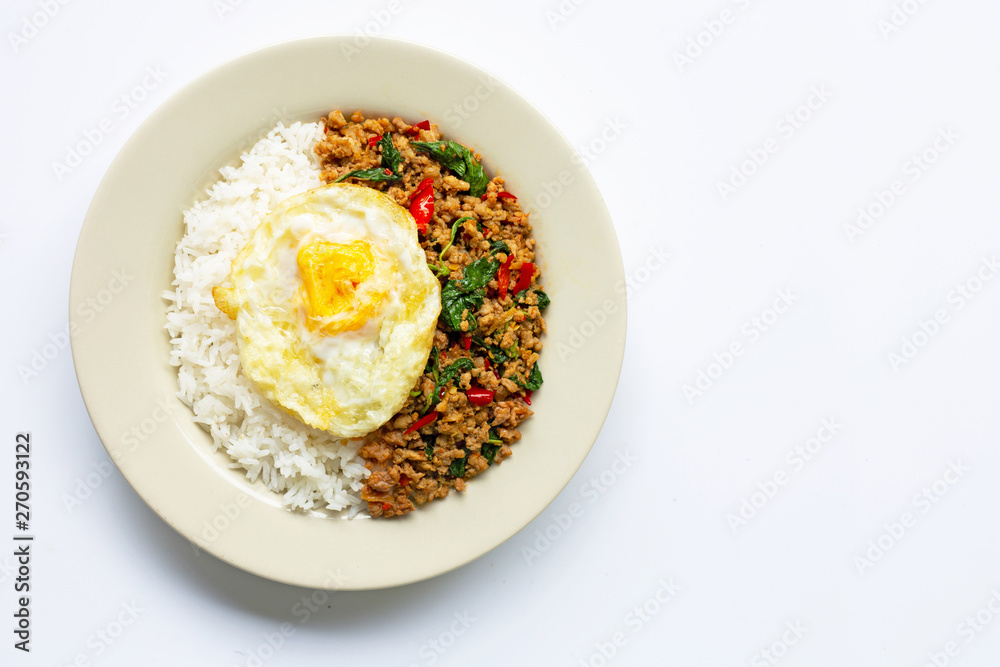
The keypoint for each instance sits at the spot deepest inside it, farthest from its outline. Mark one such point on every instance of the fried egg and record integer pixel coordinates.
(335, 307)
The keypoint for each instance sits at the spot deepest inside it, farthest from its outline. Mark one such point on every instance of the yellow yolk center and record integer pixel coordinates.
(331, 274)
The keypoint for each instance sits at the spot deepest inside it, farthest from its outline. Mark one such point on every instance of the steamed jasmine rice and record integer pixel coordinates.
(309, 468)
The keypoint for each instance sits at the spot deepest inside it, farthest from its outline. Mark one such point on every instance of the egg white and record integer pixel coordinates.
(348, 381)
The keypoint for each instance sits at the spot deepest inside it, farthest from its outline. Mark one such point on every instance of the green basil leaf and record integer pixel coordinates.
(475, 176)
(457, 467)
(460, 160)
(478, 274)
(455, 301)
(390, 156)
(543, 298)
(490, 452)
(432, 360)
(499, 246)
(534, 380)
(450, 154)
(374, 175)
(496, 353)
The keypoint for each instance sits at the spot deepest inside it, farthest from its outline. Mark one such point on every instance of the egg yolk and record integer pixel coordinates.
(331, 274)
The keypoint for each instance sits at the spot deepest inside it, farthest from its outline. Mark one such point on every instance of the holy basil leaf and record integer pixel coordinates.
(432, 361)
(455, 301)
(496, 353)
(450, 154)
(390, 156)
(543, 298)
(445, 376)
(490, 452)
(375, 175)
(499, 246)
(450, 372)
(460, 160)
(457, 467)
(475, 176)
(478, 274)
(534, 380)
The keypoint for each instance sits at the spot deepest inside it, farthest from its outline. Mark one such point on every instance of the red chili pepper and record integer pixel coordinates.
(422, 422)
(503, 277)
(424, 185)
(486, 363)
(485, 195)
(467, 342)
(527, 396)
(404, 480)
(506, 195)
(479, 396)
(422, 125)
(385, 507)
(422, 207)
(524, 280)
(374, 140)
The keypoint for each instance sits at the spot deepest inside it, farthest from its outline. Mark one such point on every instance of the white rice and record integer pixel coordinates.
(310, 468)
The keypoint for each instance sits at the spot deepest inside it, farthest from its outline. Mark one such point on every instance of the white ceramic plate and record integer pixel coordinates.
(135, 221)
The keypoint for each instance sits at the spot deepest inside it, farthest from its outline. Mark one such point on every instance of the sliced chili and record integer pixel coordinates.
(425, 184)
(503, 277)
(479, 396)
(506, 195)
(374, 140)
(467, 342)
(422, 125)
(422, 422)
(403, 480)
(385, 507)
(422, 206)
(527, 396)
(524, 280)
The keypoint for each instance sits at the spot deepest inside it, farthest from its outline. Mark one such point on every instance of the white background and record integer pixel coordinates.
(828, 552)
